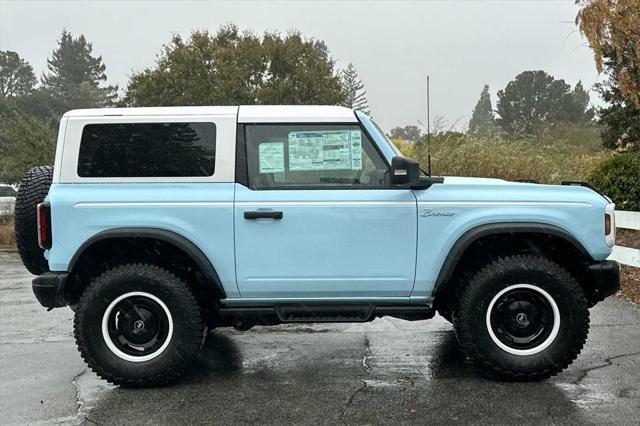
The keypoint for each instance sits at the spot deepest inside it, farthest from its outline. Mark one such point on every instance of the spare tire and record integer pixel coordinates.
(34, 186)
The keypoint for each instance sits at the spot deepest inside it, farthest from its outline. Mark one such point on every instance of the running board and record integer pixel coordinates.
(245, 317)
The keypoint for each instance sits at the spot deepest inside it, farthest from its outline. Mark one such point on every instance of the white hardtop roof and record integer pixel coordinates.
(246, 114)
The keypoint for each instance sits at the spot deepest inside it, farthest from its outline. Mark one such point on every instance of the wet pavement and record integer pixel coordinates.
(388, 371)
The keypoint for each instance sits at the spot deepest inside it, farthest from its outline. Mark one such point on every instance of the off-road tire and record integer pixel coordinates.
(471, 323)
(34, 186)
(186, 317)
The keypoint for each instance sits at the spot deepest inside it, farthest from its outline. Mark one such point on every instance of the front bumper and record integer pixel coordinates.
(604, 280)
(49, 289)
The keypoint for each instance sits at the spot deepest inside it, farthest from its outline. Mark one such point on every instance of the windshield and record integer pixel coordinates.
(386, 138)
(386, 146)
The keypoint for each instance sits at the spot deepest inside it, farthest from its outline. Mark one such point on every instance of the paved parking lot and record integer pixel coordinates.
(387, 371)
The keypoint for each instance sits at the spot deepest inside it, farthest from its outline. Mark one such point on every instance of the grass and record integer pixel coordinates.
(7, 236)
(561, 153)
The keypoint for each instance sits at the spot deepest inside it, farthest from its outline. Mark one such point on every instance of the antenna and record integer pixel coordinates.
(428, 132)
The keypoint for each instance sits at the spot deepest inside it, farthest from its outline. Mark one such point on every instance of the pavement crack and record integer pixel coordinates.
(608, 362)
(367, 354)
(81, 410)
(367, 368)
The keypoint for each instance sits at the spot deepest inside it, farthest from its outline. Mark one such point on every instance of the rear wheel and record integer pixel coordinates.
(522, 318)
(34, 186)
(138, 325)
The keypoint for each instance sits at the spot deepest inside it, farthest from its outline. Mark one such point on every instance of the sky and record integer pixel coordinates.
(394, 45)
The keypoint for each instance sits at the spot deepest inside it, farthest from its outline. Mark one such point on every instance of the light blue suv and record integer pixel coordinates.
(157, 224)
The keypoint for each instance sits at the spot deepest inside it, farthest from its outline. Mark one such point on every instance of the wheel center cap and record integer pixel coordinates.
(138, 325)
(521, 319)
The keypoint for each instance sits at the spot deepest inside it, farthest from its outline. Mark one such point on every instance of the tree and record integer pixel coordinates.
(482, 118)
(535, 99)
(612, 28)
(233, 68)
(613, 31)
(25, 142)
(16, 75)
(406, 133)
(620, 119)
(77, 76)
(355, 95)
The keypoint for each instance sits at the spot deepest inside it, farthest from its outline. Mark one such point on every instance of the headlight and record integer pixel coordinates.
(610, 224)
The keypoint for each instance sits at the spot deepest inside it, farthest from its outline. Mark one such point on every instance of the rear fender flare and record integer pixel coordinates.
(212, 279)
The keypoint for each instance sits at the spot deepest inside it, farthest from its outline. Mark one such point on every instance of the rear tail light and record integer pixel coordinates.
(44, 225)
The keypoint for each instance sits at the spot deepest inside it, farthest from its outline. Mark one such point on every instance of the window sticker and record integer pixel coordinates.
(271, 157)
(325, 150)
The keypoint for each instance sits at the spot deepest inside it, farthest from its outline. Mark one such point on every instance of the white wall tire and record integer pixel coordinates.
(542, 346)
(114, 347)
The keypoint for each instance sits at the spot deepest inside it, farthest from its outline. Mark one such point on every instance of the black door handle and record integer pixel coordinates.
(263, 215)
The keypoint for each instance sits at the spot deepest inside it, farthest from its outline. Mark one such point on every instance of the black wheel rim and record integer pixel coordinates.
(138, 326)
(522, 318)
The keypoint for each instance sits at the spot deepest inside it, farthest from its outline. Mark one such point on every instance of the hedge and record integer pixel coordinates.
(619, 178)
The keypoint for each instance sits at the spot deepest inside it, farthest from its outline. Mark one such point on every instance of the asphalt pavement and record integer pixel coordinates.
(385, 372)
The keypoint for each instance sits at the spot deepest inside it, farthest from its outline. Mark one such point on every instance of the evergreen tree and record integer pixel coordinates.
(77, 76)
(16, 75)
(482, 118)
(355, 95)
(535, 99)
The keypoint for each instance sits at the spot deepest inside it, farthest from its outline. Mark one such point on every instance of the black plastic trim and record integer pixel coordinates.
(584, 184)
(242, 173)
(605, 277)
(323, 312)
(472, 235)
(211, 276)
(49, 289)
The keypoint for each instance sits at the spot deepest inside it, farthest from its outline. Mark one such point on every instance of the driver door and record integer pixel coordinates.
(316, 217)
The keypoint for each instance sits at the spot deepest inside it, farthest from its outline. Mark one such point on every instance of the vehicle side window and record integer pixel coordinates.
(147, 150)
(312, 156)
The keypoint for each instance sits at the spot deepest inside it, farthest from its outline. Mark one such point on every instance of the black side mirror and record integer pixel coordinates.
(404, 171)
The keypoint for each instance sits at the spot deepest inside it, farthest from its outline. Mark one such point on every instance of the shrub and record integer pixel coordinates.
(7, 236)
(619, 178)
(563, 152)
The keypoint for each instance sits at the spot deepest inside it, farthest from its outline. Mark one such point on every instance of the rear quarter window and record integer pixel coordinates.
(147, 150)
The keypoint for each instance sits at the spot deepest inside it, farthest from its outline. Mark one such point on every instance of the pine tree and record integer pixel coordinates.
(482, 118)
(76, 75)
(355, 95)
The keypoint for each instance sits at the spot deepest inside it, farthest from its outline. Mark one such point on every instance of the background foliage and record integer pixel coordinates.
(619, 178)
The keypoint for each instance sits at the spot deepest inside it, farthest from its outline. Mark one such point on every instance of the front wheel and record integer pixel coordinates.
(138, 325)
(522, 318)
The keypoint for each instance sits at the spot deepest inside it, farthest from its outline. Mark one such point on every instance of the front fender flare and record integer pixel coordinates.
(474, 234)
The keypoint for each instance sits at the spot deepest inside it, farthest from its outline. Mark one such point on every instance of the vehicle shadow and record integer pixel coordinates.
(322, 378)
(218, 357)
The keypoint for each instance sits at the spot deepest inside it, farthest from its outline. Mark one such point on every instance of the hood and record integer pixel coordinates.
(457, 188)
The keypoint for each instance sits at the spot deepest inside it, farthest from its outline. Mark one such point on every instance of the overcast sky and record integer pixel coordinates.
(462, 45)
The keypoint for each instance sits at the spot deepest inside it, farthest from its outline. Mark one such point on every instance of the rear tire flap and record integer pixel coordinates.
(34, 187)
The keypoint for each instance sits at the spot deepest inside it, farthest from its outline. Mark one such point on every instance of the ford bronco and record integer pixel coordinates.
(157, 224)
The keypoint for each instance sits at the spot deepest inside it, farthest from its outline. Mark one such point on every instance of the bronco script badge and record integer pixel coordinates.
(431, 212)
